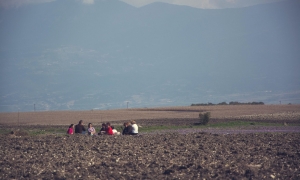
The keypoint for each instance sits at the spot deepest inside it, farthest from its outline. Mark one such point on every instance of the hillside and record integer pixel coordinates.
(64, 55)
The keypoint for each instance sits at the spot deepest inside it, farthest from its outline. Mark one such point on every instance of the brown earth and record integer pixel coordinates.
(213, 153)
(279, 113)
(168, 156)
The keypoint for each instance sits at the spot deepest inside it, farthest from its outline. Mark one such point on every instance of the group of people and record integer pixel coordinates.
(130, 128)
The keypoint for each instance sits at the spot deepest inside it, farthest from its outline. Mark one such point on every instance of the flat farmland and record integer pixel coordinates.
(168, 156)
(282, 113)
(38, 150)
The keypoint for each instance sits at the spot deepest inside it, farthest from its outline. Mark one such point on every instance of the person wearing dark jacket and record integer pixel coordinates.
(103, 129)
(128, 129)
(79, 128)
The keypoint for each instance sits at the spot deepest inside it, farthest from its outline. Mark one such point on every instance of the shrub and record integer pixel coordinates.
(204, 118)
(19, 133)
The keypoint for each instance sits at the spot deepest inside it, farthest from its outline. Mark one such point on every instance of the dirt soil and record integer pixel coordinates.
(169, 156)
(226, 112)
(254, 152)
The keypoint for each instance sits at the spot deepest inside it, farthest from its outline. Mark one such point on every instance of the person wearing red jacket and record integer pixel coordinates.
(109, 130)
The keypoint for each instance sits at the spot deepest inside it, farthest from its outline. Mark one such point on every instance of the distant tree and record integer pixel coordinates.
(234, 103)
(222, 103)
(230, 103)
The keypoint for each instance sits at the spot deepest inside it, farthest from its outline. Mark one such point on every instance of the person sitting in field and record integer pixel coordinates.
(109, 130)
(79, 128)
(115, 131)
(70, 130)
(127, 129)
(91, 129)
(103, 129)
(135, 128)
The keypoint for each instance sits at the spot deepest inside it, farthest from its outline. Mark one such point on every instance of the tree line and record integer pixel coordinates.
(230, 103)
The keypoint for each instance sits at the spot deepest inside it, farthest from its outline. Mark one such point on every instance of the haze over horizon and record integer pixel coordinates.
(101, 54)
(203, 4)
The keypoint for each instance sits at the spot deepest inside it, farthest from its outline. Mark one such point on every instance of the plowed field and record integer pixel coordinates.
(167, 156)
(255, 152)
(227, 112)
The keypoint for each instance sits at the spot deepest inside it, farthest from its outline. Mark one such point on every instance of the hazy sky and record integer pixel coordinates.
(205, 4)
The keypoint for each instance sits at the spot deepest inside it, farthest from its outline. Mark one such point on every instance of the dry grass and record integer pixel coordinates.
(278, 112)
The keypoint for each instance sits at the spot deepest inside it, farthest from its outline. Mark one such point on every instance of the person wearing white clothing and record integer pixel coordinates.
(135, 128)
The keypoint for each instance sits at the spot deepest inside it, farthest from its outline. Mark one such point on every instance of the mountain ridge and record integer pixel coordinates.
(90, 56)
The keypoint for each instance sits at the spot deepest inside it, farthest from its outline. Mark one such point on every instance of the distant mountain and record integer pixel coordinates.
(66, 55)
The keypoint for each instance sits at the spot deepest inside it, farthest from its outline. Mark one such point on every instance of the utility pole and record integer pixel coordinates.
(18, 117)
